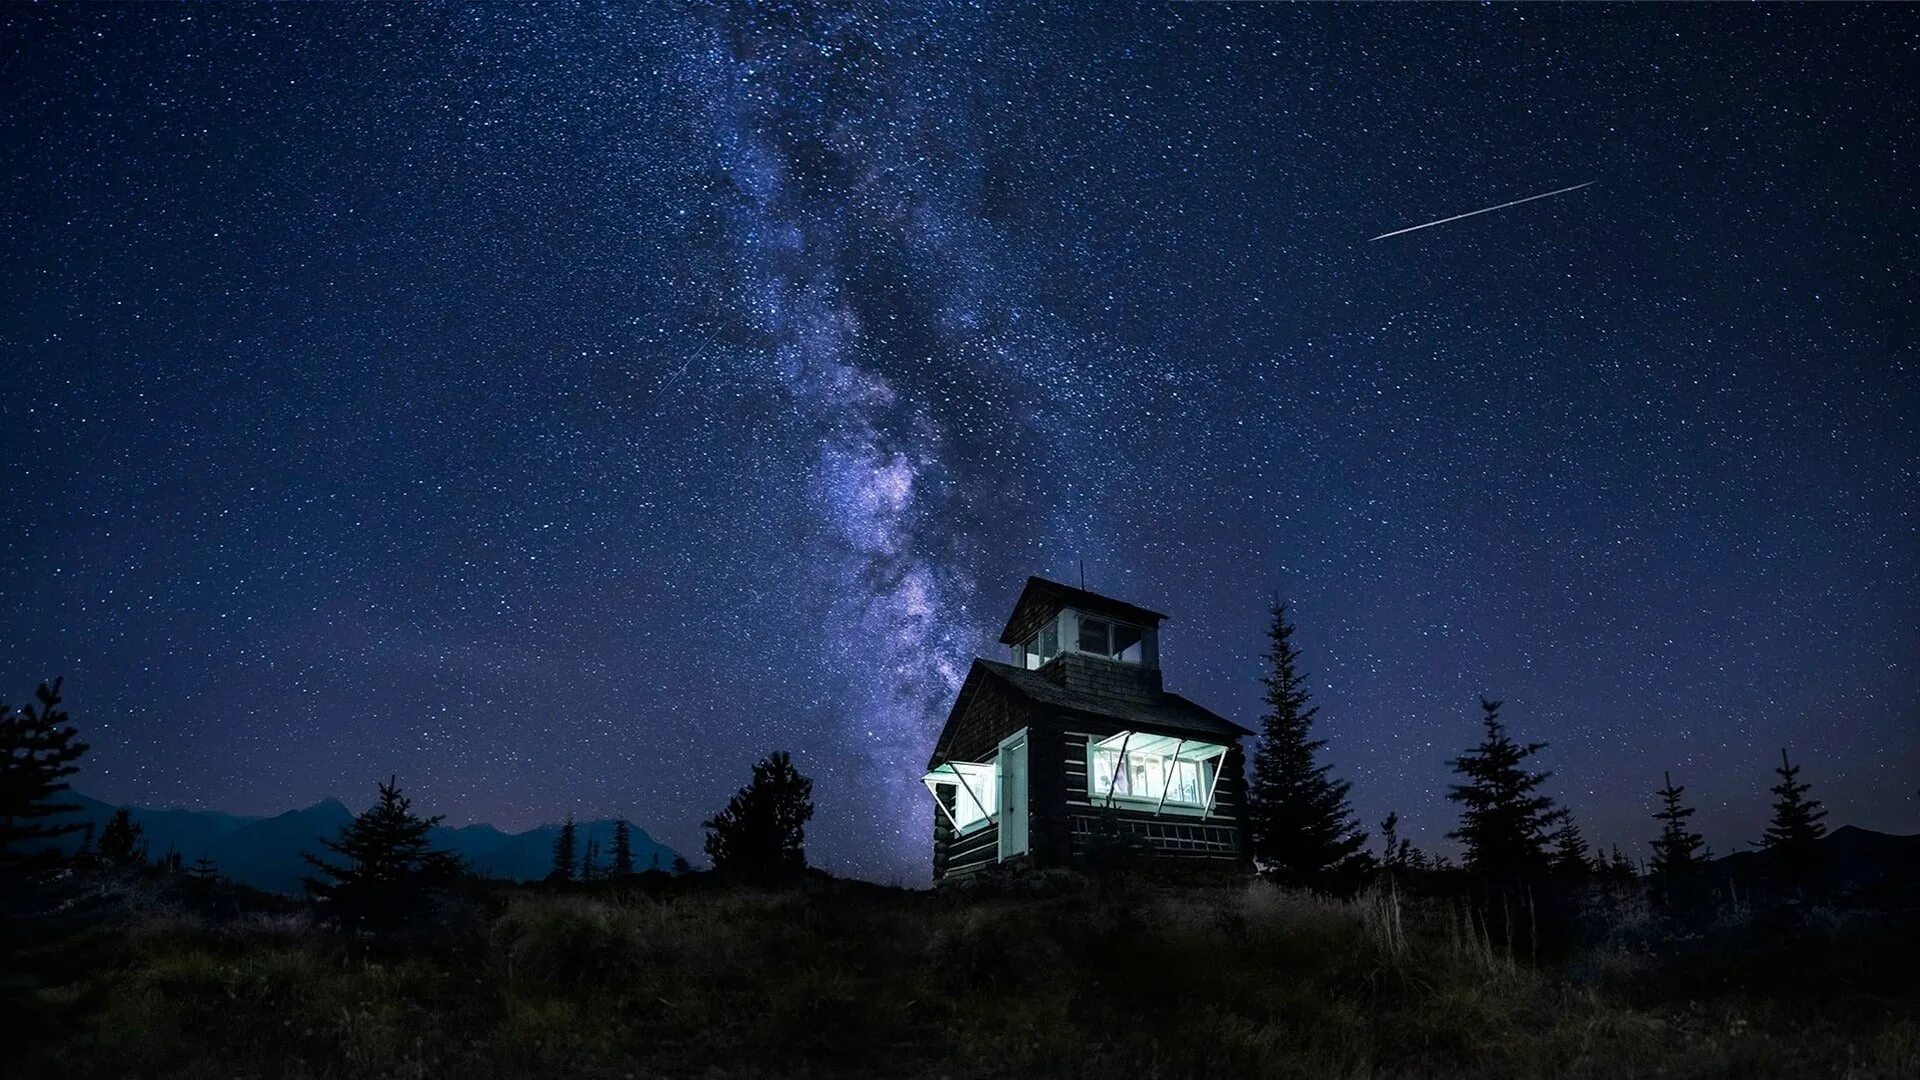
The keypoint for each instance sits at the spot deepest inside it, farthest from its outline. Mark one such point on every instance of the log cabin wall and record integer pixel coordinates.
(1076, 821)
(991, 715)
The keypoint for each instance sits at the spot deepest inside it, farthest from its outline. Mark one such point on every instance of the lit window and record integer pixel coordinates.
(1160, 769)
(964, 791)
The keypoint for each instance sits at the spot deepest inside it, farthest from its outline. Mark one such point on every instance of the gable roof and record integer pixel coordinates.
(1159, 711)
(1042, 593)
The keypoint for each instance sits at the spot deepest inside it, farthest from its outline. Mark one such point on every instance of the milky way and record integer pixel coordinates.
(562, 408)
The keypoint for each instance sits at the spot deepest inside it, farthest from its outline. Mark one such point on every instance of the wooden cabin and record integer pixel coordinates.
(1073, 752)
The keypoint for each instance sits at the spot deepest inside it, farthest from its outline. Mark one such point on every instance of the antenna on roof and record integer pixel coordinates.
(1083, 575)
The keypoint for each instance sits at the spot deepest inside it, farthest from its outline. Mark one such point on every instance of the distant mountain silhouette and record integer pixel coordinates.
(1852, 861)
(264, 852)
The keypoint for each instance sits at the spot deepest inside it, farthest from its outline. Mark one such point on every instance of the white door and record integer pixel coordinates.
(1013, 796)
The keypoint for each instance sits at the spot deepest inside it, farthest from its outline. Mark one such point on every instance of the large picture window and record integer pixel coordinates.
(1134, 767)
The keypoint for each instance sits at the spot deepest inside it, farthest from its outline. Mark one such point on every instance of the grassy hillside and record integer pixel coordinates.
(842, 979)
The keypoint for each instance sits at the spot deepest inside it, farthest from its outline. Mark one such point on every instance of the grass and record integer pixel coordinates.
(837, 979)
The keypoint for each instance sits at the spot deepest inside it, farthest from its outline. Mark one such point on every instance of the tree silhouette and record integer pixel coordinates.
(1570, 851)
(1796, 827)
(622, 847)
(386, 865)
(1303, 828)
(679, 863)
(590, 862)
(203, 871)
(1678, 852)
(1796, 818)
(38, 748)
(565, 848)
(762, 831)
(1397, 852)
(120, 840)
(1504, 822)
(1621, 868)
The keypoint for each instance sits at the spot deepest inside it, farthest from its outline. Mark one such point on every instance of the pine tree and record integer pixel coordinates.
(762, 831)
(565, 848)
(38, 748)
(1622, 868)
(1303, 828)
(120, 840)
(590, 862)
(204, 871)
(1796, 818)
(1793, 835)
(387, 862)
(1679, 854)
(1677, 850)
(1504, 823)
(1570, 849)
(622, 847)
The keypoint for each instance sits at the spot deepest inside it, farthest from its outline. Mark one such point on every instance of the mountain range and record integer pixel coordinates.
(265, 852)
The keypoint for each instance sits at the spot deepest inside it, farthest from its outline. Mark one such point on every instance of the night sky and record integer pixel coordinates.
(562, 408)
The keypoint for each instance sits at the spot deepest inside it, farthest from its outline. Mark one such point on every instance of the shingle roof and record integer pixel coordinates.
(1040, 591)
(1160, 710)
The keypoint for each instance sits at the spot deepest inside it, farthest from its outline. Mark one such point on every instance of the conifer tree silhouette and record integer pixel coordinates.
(38, 748)
(386, 865)
(120, 840)
(1678, 849)
(590, 861)
(622, 847)
(1570, 850)
(203, 871)
(1504, 822)
(1796, 818)
(1679, 853)
(1622, 868)
(1394, 851)
(565, 849)
(1796, 827)
(762, 831)
(1303, 827)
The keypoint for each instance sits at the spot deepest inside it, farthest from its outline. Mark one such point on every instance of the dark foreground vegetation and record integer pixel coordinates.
(1050, 976)
(1534, 956)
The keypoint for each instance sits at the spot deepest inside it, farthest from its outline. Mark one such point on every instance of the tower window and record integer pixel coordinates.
(1113, 640)
(1040, 648)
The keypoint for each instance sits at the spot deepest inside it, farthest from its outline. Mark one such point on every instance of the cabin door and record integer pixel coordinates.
(1013, 796)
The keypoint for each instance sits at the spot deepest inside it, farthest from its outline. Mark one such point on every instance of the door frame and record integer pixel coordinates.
(1017, 741)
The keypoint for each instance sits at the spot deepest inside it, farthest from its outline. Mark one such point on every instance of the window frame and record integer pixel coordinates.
(1106, 650)
(1208, 758)
(981, 789)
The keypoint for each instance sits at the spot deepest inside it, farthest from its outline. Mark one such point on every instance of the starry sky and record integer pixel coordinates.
(562, 407)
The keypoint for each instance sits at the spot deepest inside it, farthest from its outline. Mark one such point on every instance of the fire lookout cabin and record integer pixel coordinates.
(1074, 748)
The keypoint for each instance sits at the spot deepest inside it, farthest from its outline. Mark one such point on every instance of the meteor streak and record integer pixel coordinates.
(1470, 213)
